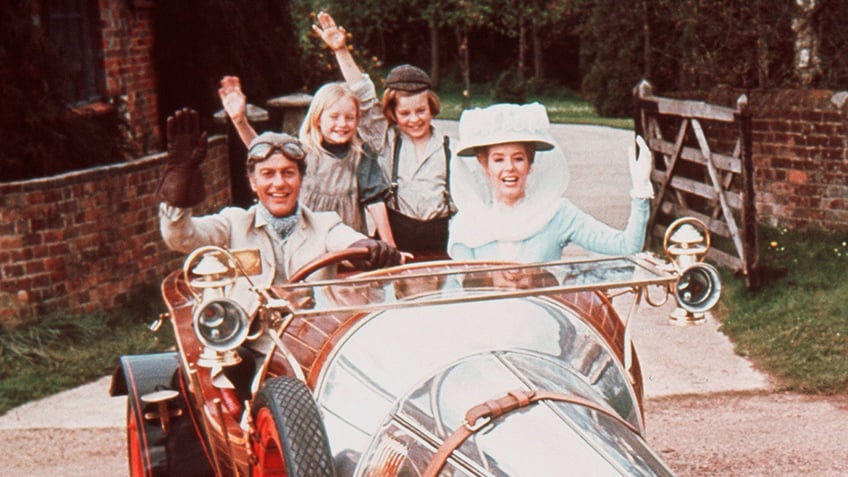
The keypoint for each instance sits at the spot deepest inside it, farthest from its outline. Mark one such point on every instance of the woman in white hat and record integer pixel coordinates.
(508, 183)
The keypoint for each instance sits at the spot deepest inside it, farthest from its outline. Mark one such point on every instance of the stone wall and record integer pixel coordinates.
(82, 241)
(800, 150)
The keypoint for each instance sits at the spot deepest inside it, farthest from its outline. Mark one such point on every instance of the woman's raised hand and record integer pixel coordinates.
(640, 170)
(232, 98)
(333, 35)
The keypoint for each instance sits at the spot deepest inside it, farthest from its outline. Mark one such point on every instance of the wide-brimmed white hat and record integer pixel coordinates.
(504, 123)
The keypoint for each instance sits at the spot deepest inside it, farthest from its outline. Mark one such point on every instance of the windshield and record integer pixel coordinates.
(390, 353)
(435, 282)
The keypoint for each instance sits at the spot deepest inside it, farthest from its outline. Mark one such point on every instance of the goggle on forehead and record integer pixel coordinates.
(262, 150)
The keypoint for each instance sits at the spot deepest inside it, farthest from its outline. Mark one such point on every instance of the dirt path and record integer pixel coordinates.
(58, 452)
(750, 434)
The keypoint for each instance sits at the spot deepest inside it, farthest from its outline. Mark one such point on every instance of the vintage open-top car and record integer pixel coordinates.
(430, 368)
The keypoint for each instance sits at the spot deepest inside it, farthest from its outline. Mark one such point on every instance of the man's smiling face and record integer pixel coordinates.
(276, 182)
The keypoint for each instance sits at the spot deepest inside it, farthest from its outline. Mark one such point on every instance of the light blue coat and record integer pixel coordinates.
(569, 225)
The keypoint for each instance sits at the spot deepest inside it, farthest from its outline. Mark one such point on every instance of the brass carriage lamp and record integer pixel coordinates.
(212, 276)
(686, 246)
(219, 322)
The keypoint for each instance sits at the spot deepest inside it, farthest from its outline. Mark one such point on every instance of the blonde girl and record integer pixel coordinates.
(344, 175)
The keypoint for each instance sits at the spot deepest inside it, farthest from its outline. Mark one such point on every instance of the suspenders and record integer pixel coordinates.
(396, 159)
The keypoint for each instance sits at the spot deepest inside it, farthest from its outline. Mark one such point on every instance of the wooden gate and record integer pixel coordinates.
(702, 169)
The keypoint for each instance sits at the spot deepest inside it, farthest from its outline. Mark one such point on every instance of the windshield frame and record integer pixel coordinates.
(646, 271)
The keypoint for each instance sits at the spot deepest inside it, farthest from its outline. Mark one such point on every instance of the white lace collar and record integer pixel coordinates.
(480, 220)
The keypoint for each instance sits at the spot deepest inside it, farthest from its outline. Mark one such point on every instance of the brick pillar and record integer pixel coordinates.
(127, 35)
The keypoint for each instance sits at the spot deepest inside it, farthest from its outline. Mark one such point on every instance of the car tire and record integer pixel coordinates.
(290, 438)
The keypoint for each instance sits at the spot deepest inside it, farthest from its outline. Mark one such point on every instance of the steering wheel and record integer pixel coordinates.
(327, 259)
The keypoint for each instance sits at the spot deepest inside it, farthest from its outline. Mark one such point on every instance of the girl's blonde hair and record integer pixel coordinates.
(327, 95)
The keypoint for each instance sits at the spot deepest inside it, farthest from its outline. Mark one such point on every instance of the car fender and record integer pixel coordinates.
(181, 451)
(137, 375)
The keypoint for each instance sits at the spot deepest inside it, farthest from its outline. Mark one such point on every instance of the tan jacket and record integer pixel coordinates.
(237, 229)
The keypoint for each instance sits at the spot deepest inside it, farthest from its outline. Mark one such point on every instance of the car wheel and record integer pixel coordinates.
(290, 439)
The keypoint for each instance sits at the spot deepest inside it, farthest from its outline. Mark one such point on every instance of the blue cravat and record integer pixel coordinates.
(284, 226)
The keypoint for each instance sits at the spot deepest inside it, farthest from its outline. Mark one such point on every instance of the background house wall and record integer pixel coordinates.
(800, 153)
(107, 49)
(84, 240)
(127, 36)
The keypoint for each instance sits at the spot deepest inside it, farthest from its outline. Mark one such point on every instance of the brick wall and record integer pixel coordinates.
(126, 47)
(800, 150)
(83, 240)
(127, 35)
(800, 154)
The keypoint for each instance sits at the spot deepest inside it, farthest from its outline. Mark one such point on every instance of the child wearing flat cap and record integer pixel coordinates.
(414, 155)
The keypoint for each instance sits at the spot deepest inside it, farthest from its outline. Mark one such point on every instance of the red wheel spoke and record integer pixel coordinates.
(267, 448)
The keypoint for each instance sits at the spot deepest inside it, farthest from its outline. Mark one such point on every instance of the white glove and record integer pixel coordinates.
(640, 171)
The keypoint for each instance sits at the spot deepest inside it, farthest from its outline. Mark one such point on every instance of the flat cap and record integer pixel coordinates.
(408, 78)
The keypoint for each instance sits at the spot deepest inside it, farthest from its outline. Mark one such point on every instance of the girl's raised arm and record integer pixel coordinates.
(335, 37)
(235, 104)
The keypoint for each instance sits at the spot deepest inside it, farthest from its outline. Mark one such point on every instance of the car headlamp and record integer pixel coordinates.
(699, 288)
(221, 324)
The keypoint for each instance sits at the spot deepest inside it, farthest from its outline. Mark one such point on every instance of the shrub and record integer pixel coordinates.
(509, 88)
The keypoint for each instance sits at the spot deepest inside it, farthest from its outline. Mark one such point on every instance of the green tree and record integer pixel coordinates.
(200, 41)
(683, 45)
(513, 19)
(376, 30)
(533, 23)
(432, 13)
(461, 16)
(393, 28)
(611, 53)
(551, 19)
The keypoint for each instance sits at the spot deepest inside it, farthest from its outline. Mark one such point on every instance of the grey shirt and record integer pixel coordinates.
(422, 186)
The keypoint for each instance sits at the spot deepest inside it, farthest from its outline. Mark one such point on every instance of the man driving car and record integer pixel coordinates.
(286, 233)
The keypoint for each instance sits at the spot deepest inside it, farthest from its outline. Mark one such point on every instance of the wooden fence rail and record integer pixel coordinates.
(703, 169)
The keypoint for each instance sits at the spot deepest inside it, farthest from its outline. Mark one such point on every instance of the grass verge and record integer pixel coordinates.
(796, 326)
(564, 108)
(62, 351)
